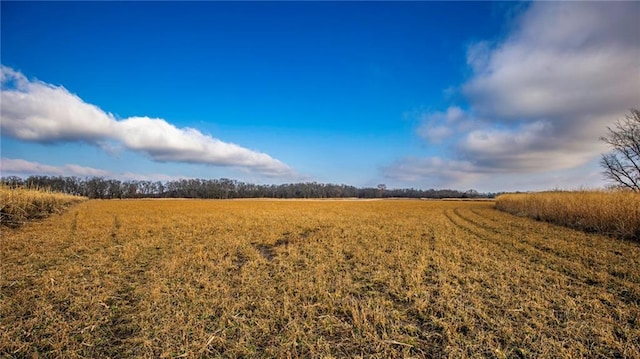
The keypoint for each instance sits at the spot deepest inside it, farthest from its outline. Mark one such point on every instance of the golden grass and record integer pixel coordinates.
(18, 205)
(313, 279)
(614, 213)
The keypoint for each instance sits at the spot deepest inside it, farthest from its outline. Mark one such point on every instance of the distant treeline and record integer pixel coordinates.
(98, 187)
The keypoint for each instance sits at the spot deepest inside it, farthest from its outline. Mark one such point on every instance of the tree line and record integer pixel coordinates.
(224, 188)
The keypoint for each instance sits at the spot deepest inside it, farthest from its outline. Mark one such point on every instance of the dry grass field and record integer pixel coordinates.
(615, 213)
(313, 279)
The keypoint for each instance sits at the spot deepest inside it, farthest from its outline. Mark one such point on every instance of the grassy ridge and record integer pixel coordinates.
(613, 213)
(18, 205)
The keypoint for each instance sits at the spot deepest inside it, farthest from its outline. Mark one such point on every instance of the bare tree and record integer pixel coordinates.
(622, 165)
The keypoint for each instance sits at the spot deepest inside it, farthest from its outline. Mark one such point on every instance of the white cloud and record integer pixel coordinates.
(437, 172)
(11, 166)
(40, 112)
(435, 133)
(167, 143)
(36, 111)
(20, 167)
(437, 127)
(568, 71)
(564, 60)
(540, 99)
(432, 172)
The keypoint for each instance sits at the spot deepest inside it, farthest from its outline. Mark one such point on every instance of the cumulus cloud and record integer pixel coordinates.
(529, 147)
(36, 111)
(540, 98)
(20, 167)
(564, 60)
(40, 112)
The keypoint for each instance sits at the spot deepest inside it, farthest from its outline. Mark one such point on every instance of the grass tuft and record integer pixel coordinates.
(613, 213)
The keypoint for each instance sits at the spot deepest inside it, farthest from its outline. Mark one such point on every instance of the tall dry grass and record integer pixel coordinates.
(18, 205)
(613, 213)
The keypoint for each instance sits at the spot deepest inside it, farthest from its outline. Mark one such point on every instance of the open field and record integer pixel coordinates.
(615, 213)
(401, 278)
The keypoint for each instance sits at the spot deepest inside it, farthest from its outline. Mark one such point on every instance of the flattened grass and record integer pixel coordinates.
(614, 213)
(427, 279)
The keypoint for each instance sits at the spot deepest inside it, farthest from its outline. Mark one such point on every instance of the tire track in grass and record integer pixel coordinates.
(605, 298)
(561, 313)
(498, 293)
(534, 255)
(566, 238)
(538, 261)
(477, 279)
(607, 254)
(573, 266)
(506, 245)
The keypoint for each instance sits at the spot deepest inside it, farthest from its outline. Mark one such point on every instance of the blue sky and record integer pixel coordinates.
(490, 96)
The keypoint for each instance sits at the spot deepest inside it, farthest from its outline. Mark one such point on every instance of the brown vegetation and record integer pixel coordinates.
(614, 213)
(18, 205)
(314, 279)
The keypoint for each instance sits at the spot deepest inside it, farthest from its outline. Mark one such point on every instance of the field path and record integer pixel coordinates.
(269, 278)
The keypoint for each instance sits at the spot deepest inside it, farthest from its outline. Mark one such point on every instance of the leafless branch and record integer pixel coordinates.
(622, 164)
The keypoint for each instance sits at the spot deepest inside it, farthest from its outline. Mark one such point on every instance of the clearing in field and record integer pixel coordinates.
(196, 278)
